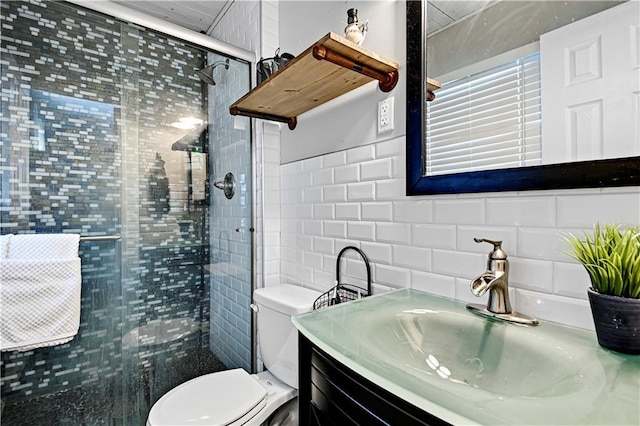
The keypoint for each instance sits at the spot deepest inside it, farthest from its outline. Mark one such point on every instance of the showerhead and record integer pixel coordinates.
(206, 73)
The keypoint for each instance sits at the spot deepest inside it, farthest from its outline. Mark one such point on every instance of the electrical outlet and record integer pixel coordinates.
(385, 115)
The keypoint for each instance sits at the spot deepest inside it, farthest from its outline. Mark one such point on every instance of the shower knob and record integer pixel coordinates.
(228, 185)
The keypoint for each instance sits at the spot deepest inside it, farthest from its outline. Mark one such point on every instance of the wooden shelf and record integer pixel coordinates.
(432, 85)
(330, 68)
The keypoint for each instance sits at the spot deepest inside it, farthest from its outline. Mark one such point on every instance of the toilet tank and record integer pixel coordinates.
(277, 336)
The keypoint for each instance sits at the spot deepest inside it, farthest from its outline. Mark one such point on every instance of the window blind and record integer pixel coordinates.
(488, 120)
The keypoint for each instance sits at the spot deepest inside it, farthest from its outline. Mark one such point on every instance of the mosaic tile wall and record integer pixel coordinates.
(86, 147)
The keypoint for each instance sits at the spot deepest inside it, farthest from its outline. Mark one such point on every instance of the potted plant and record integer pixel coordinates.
(611, 257)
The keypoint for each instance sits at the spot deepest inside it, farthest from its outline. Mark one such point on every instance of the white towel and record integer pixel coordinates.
(39, 296)
(40, 246)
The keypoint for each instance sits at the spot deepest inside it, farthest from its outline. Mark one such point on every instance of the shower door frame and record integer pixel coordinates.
(138, 18)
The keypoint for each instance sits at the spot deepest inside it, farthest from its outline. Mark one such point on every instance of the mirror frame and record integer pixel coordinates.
(582, 174)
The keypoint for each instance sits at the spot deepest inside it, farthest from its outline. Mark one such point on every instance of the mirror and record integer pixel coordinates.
(583, 172)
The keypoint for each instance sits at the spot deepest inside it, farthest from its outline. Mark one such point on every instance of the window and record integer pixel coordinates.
(487, 120)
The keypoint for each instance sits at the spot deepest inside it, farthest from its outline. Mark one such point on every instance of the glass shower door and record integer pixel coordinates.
(125, 139)
(176, 136)
(61, 167)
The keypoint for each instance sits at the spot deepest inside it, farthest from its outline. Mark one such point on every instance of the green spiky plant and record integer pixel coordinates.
(611, 257)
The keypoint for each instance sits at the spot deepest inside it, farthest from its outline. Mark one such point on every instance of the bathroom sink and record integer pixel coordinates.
(466, 350)
(464, 368)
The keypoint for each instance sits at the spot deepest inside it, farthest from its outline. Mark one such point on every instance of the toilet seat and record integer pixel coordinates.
(229, 397)
(234, 397)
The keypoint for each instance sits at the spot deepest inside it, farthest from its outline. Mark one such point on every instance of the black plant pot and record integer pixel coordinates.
(617, 322)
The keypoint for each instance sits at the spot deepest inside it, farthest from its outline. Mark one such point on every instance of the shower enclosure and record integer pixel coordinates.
(110, 129)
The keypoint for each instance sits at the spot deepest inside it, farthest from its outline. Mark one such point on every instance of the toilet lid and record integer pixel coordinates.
(213, 399)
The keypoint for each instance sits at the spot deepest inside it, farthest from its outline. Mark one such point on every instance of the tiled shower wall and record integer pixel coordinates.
(231, 326)
(356, 197)
(231, 237)
(253, 25)
(86, 148)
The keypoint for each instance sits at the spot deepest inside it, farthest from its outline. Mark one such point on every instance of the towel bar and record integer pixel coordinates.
(100, 238)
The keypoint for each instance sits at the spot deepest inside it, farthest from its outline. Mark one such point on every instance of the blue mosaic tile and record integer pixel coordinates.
(72, 81)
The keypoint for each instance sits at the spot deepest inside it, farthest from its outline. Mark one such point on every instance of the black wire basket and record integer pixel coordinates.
(339, 294)
(344, 292)
(269, 66)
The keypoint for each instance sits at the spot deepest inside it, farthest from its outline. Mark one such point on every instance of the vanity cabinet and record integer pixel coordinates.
(332, 394)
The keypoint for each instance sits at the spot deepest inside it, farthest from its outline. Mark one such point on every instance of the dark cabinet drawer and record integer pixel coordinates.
(332, 394)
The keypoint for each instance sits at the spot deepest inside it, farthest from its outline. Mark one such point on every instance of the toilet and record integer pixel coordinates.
(235, 397)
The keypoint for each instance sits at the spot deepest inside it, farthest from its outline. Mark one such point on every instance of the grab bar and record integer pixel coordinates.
(100, 238)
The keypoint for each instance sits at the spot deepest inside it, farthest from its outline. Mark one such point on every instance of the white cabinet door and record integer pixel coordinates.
(591, 87)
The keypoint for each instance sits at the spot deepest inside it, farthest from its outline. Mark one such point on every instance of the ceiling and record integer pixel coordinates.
(196, 15)
(203, 15)
(441, 13)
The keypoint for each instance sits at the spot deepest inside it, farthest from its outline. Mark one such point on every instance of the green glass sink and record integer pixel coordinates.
(488, 355)
(465, 368)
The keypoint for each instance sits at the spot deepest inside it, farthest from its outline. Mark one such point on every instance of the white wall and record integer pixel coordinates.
(341, 186)
(344, 122)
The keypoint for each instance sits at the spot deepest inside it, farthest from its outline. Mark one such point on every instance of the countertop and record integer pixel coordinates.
(545, 374)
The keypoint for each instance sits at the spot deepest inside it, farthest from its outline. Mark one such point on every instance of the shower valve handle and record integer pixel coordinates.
(228, 185)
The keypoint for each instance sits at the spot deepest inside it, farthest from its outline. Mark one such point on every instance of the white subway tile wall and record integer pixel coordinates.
(357, 198)
(249, 25)
(230, 331)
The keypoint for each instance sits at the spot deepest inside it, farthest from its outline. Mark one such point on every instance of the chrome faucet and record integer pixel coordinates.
(496, 280)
